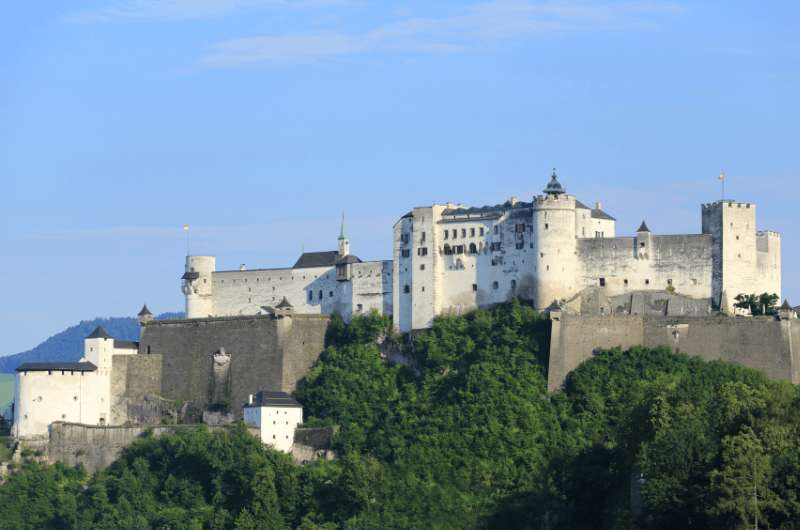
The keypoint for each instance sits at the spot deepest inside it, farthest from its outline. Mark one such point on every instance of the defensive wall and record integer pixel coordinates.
(134, 379)
(264, 352)
(96, 448)
(763, 343)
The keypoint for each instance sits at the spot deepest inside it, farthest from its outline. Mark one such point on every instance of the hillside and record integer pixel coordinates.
(67, 345)
(6, 392)
(468, 439)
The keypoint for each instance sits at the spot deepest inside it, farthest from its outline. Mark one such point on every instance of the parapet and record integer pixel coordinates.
(729, 203)
(768, 233)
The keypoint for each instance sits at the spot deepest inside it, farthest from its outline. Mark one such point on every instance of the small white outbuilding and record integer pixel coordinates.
(276, 415)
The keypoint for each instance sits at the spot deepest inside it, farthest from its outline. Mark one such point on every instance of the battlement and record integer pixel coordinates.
(768, 233)
(730, 203)
(548, 200)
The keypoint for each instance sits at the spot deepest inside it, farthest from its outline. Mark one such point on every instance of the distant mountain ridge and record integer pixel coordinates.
(67, 346)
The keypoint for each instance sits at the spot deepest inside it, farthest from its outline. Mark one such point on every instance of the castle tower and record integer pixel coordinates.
(554, 244)
(732, 226)
(144, 315)
(644, 242)
(344, 243)
(98, 348)
(198, 286)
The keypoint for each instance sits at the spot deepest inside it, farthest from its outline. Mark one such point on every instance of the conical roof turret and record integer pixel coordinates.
(99, 333)
(144, 312)
(643, 227)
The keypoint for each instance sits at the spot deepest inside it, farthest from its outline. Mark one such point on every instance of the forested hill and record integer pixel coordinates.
(67, 345)
(468, 438)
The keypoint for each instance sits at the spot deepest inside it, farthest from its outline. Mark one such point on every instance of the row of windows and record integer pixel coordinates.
(625, 282)
(453, 233)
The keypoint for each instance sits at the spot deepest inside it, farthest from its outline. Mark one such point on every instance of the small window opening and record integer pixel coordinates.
(602, 282)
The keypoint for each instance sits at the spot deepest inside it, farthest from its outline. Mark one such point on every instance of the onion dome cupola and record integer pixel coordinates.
(554, 187)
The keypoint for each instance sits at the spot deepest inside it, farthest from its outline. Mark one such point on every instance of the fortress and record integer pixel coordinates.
(261, 330)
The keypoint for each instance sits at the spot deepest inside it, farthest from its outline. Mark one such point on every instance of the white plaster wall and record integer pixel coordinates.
(44, 397)
(588, 226)
(554, 241)
(276, 424)
(682, 261)
(768, 244)
(371, 287)
(199, 293)
(401, 276)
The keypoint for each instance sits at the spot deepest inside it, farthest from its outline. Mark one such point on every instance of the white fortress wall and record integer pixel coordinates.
(683, 262)
(311, 290)
(371, 285)
(768, 244)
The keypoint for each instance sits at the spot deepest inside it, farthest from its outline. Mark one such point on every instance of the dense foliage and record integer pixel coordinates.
(757, 304)
(454, 429)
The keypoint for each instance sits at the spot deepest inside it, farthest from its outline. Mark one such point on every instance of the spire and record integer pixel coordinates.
(144, 311)
(341, 231)
(643, 227)
(786, 306)
(554, 186)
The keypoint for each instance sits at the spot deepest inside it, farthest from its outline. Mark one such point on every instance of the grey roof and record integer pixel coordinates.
(126, 344)
(580, 205)
(554, 187)
(283, 304)
(99, 333)
(144, 311)
(348, 259)
(643, 227)
(43, 367)
(191, 275)
(600, 214)
(316, 259)
(786, 305)
(274, 399)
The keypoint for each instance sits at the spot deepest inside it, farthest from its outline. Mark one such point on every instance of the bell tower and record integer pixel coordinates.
(344, 243)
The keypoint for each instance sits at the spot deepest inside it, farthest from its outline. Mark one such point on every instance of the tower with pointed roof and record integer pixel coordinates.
(344, 242)
(144, 315)
(553, 242)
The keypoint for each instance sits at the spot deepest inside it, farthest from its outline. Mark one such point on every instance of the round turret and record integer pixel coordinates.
(198, 286)
(554, 245)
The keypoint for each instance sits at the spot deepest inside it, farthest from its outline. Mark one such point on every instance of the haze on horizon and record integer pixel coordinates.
(258, 122)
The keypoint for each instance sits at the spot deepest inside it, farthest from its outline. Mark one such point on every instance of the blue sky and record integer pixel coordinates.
(259, 121)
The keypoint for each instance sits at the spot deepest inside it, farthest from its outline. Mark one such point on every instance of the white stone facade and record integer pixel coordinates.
(73, 392)
(448, 258)
(276, 416)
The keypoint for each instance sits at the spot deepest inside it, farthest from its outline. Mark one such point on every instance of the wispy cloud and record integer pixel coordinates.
(184, 9)
(475, 26)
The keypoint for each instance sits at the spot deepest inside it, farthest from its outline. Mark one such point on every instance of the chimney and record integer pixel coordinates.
(250, 399)
(242, 267)
(598, 205)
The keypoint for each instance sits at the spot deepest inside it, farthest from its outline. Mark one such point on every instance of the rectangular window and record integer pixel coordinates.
(446, 233)
(496, 246)
(422, 237)
(513, 284)
(602, 282)
(405, 253)
(310, 296)
(422, 267)
(474, 287)
(546, 226)
(625, 281)
(471, 232)
(520, 245)
(455, 233)
(463, 232)
(359, 308)
(669, 281)
(647, 282)
(496, 229)
(481, 230)
(406, 289)
(330, 294)
(495, 285)
(422, 251)
(459, 249)
(404, 238)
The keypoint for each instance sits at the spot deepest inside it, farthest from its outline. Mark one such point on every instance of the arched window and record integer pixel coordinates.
(473, 249)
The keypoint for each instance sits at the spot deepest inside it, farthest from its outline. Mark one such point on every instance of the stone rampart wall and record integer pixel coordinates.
(764, 343)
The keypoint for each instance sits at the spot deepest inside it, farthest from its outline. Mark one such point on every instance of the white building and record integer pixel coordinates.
(318, 283)
(75, 392)
(276, 415)
(449, 258)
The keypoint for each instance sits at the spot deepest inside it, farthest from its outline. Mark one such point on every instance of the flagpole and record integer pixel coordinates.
(722, 180)
(186, 229)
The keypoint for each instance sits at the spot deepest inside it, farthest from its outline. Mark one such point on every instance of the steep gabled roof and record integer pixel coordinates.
(600, 214)
(99, 333)
(316, 259)
(283, 304)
